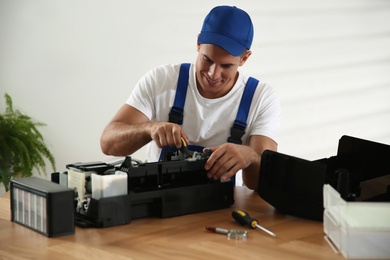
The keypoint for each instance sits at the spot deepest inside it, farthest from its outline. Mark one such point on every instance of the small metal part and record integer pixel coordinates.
(237, 234)
(231, 234)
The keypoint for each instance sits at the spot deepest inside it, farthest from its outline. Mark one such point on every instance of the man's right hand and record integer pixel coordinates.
(167, 134)
(129, 130)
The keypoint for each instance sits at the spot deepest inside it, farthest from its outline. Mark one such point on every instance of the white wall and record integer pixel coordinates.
(71, 64)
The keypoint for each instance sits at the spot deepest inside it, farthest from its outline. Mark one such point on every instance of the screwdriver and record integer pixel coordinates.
(243, 218)
(184, 149)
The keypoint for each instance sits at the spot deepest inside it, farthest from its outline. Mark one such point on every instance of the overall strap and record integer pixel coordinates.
(238, 128)
(176, 114)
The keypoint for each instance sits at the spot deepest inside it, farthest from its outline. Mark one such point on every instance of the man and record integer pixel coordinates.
(214, 91)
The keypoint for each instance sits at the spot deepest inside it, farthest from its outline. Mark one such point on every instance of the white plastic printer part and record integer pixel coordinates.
(358, 230)
(104, 186)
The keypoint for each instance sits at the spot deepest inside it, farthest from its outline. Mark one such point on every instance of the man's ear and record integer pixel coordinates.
(197, 43)
(245, 57)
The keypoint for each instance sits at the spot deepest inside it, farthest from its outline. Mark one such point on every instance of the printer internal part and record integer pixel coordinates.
(175, 186)
(166, 174)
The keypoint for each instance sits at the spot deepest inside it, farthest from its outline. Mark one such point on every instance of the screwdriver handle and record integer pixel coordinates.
(243, 218)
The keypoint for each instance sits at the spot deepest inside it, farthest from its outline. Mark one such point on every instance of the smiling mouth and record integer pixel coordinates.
(212, 82)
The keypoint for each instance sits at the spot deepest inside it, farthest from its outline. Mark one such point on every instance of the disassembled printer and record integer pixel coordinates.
(359, 172)
(177, 185)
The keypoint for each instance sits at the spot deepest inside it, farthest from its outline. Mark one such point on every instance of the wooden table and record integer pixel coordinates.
(182, 237)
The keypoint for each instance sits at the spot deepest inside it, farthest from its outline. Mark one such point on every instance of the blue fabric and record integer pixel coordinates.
(181, 90)
(242, 113)
(245, 103)
(229, 28)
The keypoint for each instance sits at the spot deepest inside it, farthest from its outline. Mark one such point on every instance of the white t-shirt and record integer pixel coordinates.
(207, 122)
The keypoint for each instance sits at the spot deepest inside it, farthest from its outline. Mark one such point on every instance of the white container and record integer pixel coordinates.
(358, 230)
(104, 186)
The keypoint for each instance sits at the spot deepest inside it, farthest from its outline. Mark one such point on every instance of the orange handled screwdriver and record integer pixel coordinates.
(243, 218)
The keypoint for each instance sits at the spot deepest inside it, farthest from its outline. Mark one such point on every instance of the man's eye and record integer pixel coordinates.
(206, 59)
(228, 66)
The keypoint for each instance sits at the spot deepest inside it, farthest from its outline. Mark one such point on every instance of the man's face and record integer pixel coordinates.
(216, 70)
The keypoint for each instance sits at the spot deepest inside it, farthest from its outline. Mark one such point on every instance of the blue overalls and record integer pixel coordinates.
(238, 128)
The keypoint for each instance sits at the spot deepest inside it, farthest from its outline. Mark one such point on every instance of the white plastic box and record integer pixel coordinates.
(357, 230)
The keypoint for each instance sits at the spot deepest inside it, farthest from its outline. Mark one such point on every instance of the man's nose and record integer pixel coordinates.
(214, 71)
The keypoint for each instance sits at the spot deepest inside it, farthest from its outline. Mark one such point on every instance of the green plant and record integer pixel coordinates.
(22, 147)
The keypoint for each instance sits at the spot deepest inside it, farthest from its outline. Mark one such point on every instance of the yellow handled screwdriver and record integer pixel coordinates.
(243, 218)
(184, 149)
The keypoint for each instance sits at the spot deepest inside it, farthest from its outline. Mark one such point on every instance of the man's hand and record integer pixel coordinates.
(167, 134)
(227, 159)
(129, 130)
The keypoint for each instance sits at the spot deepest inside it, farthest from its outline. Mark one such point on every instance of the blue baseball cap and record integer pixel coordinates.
(229, 28)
